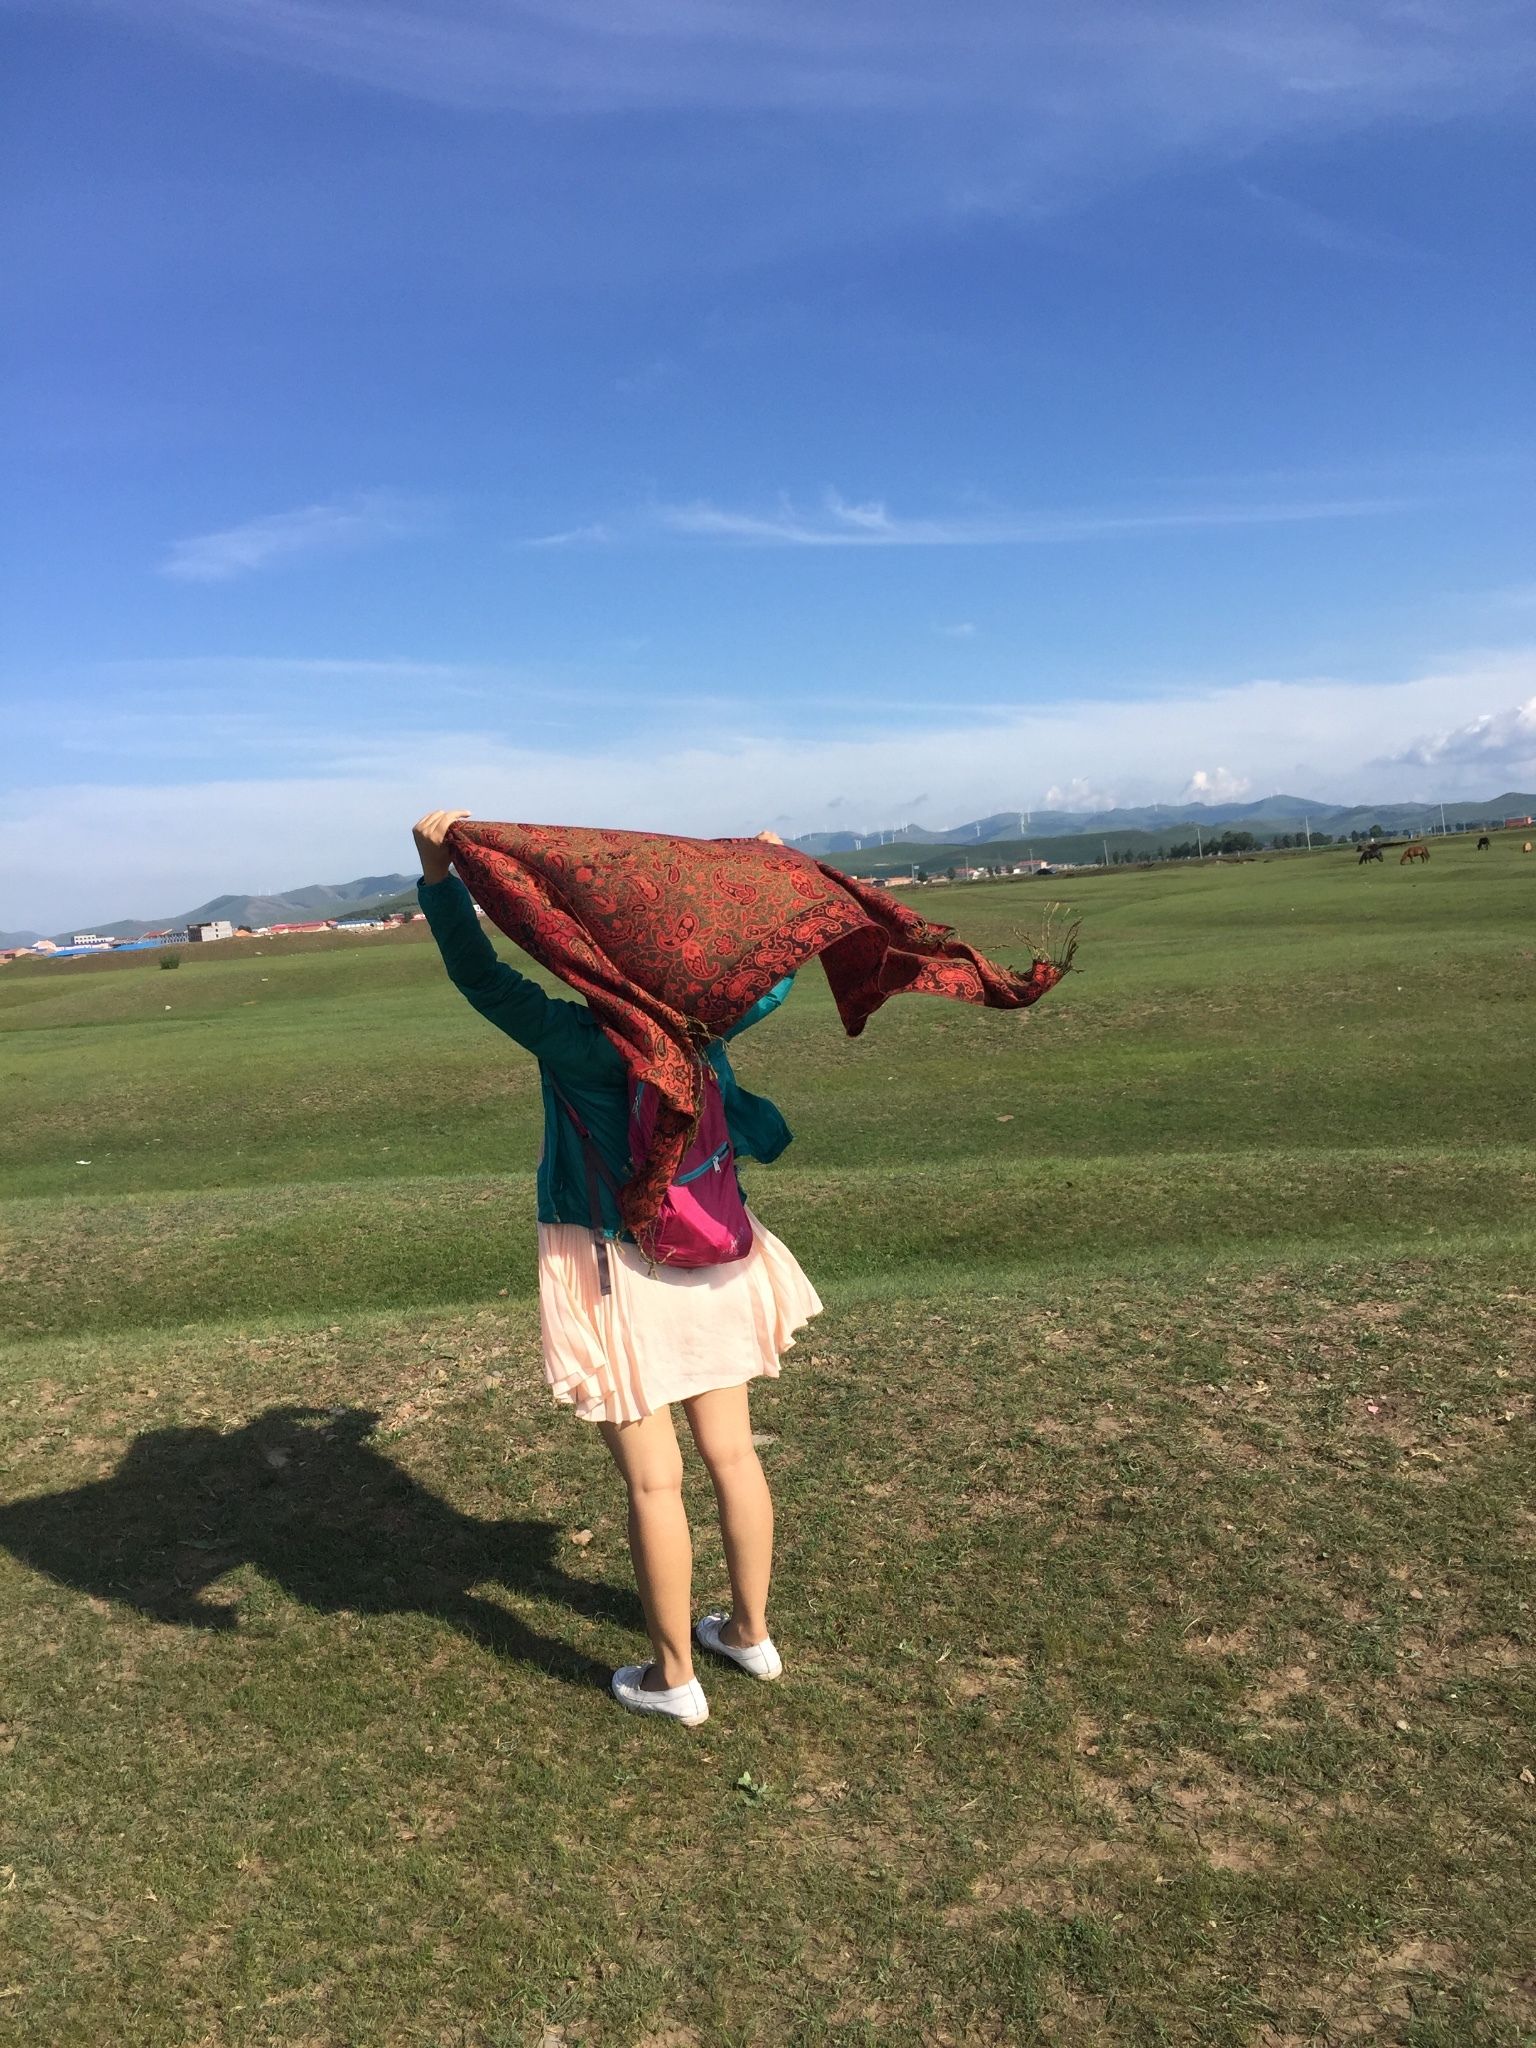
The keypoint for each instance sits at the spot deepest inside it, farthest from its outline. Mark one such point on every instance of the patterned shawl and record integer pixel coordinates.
(672, 940)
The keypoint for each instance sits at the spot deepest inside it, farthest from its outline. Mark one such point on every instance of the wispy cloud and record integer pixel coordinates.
(843, 523)
(363, 520)
(1206, 66)
(856, 120)
(1298, 221)
(184, 718)
(963, 629)
(572, 536)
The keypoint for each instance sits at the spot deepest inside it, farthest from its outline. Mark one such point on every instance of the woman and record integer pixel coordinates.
(662, 1335)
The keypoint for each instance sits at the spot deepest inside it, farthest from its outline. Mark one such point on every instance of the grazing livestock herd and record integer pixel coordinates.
(1416, 850)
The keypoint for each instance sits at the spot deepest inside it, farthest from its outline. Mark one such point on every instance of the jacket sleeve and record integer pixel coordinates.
(564, 1035)
(763, 1007)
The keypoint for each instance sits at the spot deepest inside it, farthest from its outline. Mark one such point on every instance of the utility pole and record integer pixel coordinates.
(1199, 845)
(1307, 822)
(1442, 821)
(1106, 853)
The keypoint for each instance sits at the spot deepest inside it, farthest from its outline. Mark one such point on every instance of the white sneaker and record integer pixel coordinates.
(685, 1703)
(761, 1660)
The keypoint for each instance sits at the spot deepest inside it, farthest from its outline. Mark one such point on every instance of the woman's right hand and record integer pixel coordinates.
(431, 834)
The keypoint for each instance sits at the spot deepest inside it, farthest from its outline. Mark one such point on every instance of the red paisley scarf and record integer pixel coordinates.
(672, 940)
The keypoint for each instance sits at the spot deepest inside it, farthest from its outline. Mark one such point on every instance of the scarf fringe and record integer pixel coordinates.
(1053, 949)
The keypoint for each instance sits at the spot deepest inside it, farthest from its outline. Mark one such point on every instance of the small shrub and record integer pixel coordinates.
(170, 959)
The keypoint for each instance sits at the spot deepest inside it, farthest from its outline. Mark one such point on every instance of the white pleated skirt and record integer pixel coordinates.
(666, 1334)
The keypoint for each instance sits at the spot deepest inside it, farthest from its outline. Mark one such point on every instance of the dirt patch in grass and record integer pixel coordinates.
(1379, 1998)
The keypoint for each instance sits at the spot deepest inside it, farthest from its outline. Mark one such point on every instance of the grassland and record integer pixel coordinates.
(1154, 1508)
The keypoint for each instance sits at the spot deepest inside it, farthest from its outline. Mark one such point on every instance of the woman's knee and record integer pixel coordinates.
(656, 1479)
(731, 1462)
(721, 1424)
(647, 1455)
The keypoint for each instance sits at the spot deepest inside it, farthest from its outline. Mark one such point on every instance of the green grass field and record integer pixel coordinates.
(1154, 1508)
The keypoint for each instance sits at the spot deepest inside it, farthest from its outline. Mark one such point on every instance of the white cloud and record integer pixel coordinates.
(359, 521)
(963, 629)
(843, 523)
(92, 852)
(1078, 795)
(1500, 742)
(1215, 786)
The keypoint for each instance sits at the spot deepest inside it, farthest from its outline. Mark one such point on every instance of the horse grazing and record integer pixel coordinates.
(1484, 843)
(1412, 853)
(1370, 851)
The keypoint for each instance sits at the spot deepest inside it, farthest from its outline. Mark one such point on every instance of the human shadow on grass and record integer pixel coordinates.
(305, 1497)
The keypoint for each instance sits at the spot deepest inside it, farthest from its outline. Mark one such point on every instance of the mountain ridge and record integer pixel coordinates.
(292, 906)
(1279, 812)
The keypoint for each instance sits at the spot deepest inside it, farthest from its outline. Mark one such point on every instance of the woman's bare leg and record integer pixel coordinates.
(721, 1422)
(647, 1454)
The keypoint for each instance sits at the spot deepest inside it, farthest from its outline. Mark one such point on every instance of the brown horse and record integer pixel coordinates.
(1416, 852)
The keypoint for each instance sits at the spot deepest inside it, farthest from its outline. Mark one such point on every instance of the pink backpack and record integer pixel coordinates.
(702, 1220)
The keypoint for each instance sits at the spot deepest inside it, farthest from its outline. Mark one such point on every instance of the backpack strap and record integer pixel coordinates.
(597, 1168)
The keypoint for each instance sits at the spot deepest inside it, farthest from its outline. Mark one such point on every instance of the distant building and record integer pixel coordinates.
(89, 939)
(1514, 824)
(216, 928)
(320, 924)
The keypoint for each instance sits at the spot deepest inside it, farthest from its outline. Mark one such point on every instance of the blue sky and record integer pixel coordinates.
(707, 415)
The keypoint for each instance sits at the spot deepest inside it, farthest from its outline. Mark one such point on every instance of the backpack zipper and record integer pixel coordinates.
(711, 1164)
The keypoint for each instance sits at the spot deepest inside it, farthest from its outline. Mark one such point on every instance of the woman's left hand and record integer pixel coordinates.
(431, 833)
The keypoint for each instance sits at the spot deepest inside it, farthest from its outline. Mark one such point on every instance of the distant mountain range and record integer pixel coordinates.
(1267, 815)
(316, 899)
(1019, 831)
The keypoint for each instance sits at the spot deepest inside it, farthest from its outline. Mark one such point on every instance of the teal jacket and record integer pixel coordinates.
(573, 1050)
